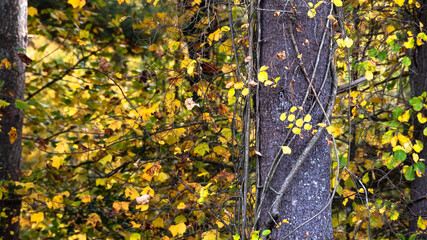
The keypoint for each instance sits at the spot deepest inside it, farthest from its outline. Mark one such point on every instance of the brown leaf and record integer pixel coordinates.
(24, 58)
(42, 143)
(104, 64)
(144, 76)
(159, 53)
(209, 67)
(109, 132)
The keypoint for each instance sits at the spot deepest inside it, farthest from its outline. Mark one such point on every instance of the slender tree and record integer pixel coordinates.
(294, 187)
(419, 85)
(13, 40)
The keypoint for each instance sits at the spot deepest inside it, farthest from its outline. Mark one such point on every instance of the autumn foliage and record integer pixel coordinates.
(134, 120)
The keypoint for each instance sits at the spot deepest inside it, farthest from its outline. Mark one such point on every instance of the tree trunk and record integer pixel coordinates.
(419, 85)
(13, 38)
(308, 193)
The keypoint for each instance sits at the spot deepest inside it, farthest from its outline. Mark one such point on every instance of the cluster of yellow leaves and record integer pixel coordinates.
(297, 124)
(5, 63)
(312, 11)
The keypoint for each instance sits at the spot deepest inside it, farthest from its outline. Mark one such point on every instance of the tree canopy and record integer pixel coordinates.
(139, 115)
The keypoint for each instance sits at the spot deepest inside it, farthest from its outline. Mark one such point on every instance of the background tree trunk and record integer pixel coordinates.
(309, 191)
(419, 85)
(13, 38)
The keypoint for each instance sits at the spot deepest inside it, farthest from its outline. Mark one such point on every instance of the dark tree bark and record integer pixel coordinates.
(13, 38)
(419, 85)
(309, 191)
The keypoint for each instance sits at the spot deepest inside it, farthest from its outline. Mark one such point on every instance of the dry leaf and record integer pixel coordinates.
(144, 199)
(190, 104)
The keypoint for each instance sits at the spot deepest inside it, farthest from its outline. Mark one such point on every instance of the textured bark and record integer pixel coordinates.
(310, 189)
(13, 36)
(419, 85)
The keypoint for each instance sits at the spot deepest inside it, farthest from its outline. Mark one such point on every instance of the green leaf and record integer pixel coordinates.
(416, 103)
(425, 131)
(236, 237)
(266, 232)
(421, 166)
(382, 56)
(400, 155)
(397, 112)
(3, 103)
(406, 61)
(409, 173)
(21, 104)
(372, 52)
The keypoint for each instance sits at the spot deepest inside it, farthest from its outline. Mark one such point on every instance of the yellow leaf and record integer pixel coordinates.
(286, 150)
(121, 1)
(32, 11)
(37, 217)
(291, 117)
(83, 34)
(85, 197)
(106, 159)
(337, 3)
(348, 42)
(348, 194)
(181, 205)
(296, 130)
(345, 201)
(404, 117)
(311, 13)
(6, 63)
(118, 206)
(307, 118)
(399, 2)
(77, 3)
(93, 219)
(283, 117)
(419, 146)
(245, 91)
(210, 235)
(307, 126)
(299, 122)
(321, 124)
(239, 85)
(421, 223)
(13, 135)
(262, 76)
(263, 68)
(119, 75)
(162, 177)
(293, 109)
(268, 83)
(330, 129)
(402, 139)
(135, 225)
(178, 230)
(131, 192)
(394, 215)
(196, 2)
(369, 75)
(158, 222)
(148, 190)
(421, 118)
(415, 157)
(115, 125)
(57, 161)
